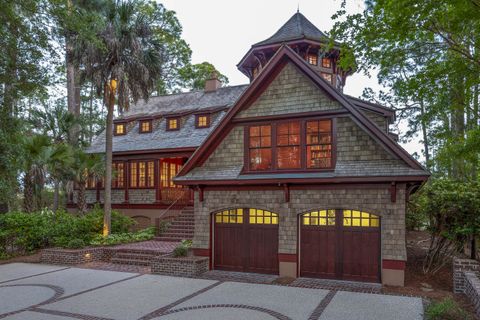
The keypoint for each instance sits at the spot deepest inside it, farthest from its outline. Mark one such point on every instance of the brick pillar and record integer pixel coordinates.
(460, 266)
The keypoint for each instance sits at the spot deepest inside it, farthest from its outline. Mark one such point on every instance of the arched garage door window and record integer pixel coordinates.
(246, 239)
(340, 244)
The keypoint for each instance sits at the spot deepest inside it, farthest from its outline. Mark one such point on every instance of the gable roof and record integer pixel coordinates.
(297, 27)
(272, 68)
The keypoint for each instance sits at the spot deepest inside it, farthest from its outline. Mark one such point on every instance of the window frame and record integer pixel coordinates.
(330, 63)
(167, 124)
(303, 146)
(272, 146)
(140, 125)
(115, 125)
(115, 180)
(314, 56)
(137, 174)
(197, 120)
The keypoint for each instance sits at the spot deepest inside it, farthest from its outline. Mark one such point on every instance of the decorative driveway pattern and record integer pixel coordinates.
(39, 292)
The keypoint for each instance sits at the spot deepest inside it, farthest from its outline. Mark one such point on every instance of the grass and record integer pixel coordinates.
(446, 309)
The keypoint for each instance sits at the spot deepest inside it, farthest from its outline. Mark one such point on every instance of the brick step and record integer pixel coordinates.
(152, 252)
(135, 256)
(181, 228)
(182, 225)
(178, 235)
(130, 262)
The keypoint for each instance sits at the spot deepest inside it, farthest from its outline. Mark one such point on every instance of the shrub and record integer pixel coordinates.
(182, 249)
(142, 235)
(447, 309)
(75, 244)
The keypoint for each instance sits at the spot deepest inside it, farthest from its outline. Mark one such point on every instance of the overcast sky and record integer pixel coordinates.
(222, 31)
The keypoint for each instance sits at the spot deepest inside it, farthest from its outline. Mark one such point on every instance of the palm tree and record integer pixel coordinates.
(125, 67)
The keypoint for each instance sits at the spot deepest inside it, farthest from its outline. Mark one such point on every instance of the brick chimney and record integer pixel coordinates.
(213, 83)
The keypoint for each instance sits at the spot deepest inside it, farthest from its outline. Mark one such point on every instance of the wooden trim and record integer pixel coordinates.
(201, 252)
(393, 264)
(127, 181)
(200, 193)
(161, 152)
(393, 192)
(286, 190)
(287, 257)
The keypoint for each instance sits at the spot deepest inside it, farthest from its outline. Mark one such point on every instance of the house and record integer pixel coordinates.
(286, 175)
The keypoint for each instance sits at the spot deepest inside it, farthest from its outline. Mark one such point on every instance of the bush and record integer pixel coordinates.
(75, 244)
(447, 309)
(142, 235)
(182, 249)
(25, 232)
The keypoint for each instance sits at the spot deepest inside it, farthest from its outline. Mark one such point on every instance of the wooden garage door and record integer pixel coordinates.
(246, 240)
(340, 244)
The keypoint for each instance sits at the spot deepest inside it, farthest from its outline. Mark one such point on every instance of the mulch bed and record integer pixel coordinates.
(32, 258)
(416, 282)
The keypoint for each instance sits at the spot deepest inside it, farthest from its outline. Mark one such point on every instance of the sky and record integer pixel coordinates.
(222, 31)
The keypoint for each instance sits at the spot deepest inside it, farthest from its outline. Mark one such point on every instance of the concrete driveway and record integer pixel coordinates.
(38, 292)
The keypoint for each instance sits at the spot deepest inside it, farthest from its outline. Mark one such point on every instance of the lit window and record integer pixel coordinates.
(354, 218)
(319, 218)
(145, 126)
(327, 76)
(255, 72)
(133, 174)
(257, 216)
(288, 145)
(260, 147)
(203, 121)
(229, 216)
(142, 174)
(120, 129)
(172, 124)
(119, 176)
(312, 59)
(319, 144)
(150, 174)
(168, 171)
(326, 63)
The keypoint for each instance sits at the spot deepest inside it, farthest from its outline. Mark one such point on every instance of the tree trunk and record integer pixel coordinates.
(107, 201)
(425, 139)
(56, 195)
(28, 194)
(81, 199)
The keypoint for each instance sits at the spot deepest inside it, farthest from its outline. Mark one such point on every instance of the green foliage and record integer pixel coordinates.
(194, 76)
(117, 238)
(21, 232)
(163, 226)
(447, 309)
(182, 249)
(75, 244)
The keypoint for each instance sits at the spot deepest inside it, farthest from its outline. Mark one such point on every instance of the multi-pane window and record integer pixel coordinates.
(203, 121)
(319, 218)
(312, 59)
(288, 145)
(260, 147)
(255, 71)
(173, 124)
(327, 76)
(319, 143)
(326, 63)
(118, 180)
(168, 171)
(354, 218)
(229, 216)
(120, 129)
(145, 126)
(258, 216)
(142, 174)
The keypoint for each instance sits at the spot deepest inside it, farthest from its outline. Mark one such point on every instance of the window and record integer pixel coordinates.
(229, 216)
(319, 144)
(354, 218)
(168, 171)
(118, 180)
(294, 145)
(288, 145)
(203, 121)
(91, 183)
(255, 72)
(173, 124)
(260, 147)
(142, 174)
(145, 126)
(120, 129)
(257, 216)
(319, 218)
(312, 59)
(327, 77)
(326, 63)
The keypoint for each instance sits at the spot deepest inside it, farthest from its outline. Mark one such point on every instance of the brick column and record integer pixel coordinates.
(460, 266)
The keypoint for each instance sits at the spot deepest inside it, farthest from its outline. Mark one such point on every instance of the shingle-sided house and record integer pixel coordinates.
(286, 175)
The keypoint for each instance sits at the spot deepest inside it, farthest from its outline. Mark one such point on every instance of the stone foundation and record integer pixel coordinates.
(182, 266)
(466, 280)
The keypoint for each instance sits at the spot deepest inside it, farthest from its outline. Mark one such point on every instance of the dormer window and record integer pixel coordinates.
(145, 126)
(327, 77)
(312, 59)
(255, 71)
(202, 121)
(326, 63)
(173, 124)
(120, 129)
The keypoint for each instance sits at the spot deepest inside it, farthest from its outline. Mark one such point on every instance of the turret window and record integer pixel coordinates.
(312, 59)
(326, 63)
(327, 77)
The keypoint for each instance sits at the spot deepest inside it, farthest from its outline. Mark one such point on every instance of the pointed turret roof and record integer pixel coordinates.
(297, 27)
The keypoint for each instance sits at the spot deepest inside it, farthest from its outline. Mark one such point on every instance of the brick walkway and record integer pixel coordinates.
(152, 245)
(336, 285)
(220, 275)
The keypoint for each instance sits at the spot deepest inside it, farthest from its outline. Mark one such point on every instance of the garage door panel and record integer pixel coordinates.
(228, 247)
(361, 255)
(317, 255)
(263, 249)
